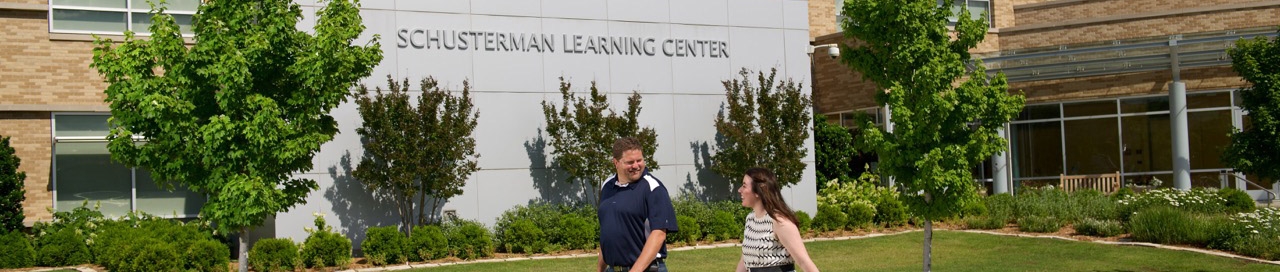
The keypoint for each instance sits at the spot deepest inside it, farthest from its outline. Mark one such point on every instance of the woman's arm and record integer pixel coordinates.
(789, 235)
(742, 266)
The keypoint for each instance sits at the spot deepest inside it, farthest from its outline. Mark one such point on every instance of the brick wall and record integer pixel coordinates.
(1076, 10)
(822, 18)
(1138, 28)
(31, 140)
(38, 71)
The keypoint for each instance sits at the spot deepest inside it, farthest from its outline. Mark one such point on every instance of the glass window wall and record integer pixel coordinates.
(115, 16)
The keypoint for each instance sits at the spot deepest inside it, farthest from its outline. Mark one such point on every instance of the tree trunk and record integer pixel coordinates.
(928, 245)
(243, 259)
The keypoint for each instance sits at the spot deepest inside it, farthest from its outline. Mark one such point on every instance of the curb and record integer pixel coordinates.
(1140, 244)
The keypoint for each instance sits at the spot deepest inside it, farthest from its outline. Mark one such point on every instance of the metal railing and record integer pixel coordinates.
(1205, 49)
(1271, 195)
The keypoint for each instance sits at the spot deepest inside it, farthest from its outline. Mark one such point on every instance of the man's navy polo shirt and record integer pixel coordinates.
(627, 215)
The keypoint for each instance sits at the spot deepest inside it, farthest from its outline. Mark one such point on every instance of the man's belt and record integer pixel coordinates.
(653, 267)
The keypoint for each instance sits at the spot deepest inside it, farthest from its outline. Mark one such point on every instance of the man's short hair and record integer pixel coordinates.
(623, 145)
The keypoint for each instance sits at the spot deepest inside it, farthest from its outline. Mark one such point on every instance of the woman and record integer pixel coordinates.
(771, 241)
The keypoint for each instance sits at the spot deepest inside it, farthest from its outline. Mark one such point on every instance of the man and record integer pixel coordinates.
(635, 214)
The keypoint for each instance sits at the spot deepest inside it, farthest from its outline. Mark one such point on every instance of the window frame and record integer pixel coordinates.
(129, 10)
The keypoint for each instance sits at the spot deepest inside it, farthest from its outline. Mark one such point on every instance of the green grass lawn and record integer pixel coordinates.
(952, 251)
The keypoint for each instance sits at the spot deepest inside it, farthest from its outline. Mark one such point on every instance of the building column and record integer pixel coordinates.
(999, 168)
(1178, 127)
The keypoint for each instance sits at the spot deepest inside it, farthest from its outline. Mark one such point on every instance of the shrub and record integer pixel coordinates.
(428, 243)
(802, 221)
(1100, 228)
(1044, 203)
(468, 239)
(207, 256)
(579, 232)
(1093, 204)
(324, 247)
(151, 255)
(1237, 201)
(12, 191)
(274, 254)
(973, 208)
(1122, 193)
(690, 231)
(522, 236)
(18, 252)
(1001, 206)
(1199, 201)
(890, 211)
(1259, 246)
(860, 214)
(724, 226)
(984, 222)
(1042, 224)
(384, 245)
(62, 248)
(829, 218)
(1167, 225)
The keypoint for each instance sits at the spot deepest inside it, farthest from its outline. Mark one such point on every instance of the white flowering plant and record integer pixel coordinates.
(1195, 200)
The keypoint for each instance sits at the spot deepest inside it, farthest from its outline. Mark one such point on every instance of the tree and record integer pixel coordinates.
(12, 192)
(423, 152)
(235, 114)
(945, 108)
(833, 150)
(1256, 149)
(764, 125)
(583, 131)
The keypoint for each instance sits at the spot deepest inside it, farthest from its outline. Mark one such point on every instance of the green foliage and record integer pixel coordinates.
(1167, 225)
(690, 231)
(885, 207)
(583, 130)
(274, 254)
(1197, 200)
(945, 108)
(62, 248)
(1237, 201)
(832, 150)
(237, 113)
(1256, 149)
(861, 213)
(1122, 193)
(207, 256)
(974, 208)
(563, 226)
(764, 125)
(1093, 204)
(723, 226)
(712, 223)
(1100, 228)
(1037, 223)
(829, 217)
(468, 239)
(152, 255)
(1259, 246)
(577, 231)
(18, 252)
(422, 150)
(325, 247)
(428, 243)
(522, 236)
(385, 245)
(12, 191)
(803, 221)
(1001, 206)
(1045, 203)
(985, 222)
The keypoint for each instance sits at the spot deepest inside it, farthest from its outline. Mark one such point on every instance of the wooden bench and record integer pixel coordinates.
(1106, 183)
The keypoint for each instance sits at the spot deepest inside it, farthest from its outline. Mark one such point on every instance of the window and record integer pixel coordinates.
(85, 174)
(114, 16)
(976, 8)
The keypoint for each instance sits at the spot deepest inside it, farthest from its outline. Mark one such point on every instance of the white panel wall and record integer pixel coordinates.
(682, 94)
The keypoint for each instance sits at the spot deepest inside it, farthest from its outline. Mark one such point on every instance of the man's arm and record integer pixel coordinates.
(651, 246)
(600, 262)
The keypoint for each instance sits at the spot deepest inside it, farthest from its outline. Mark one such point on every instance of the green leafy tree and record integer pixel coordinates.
(583, 131)
(946, 109)
(423, 151)
(833, 150)
(12, 192)
(764, 125)
(235, 114)
(1256, 149)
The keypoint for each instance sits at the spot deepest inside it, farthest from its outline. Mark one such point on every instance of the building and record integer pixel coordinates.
(51, 102)
(1097, 75)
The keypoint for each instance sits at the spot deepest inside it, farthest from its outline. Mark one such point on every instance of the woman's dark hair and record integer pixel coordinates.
(765, 184)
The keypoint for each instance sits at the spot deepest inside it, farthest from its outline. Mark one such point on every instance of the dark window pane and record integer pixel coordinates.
(155, 200)
(1039, 112)
(1146, 143)
(85, 172)
(88, 20)
(1092, 145)
(1208, 133)
(1089, 108)
(1037, 149)
(1146, 104)
(1206, 180)
(80, 125)
(142, 22)
(1208, 100)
